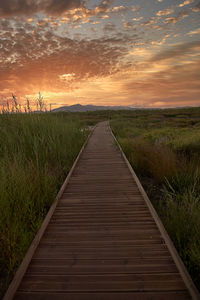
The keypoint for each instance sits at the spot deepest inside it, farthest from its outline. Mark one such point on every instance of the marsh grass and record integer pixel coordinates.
(157, 161)
(36, 153)
(164, 149)
(182, 215)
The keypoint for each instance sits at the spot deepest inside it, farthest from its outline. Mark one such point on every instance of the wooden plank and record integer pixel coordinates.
(103, 230)
(166, 295)
(101, 204)
(106, 214)
(102, 255)
(103, 282)
(117, 242)
(88, 209)
(88, 266)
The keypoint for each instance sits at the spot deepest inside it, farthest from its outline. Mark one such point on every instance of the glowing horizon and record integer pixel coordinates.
(112, 52)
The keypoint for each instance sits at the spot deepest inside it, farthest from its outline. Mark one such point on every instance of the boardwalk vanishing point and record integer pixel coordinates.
(102, 239)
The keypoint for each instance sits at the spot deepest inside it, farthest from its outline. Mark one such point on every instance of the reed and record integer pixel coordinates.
(36, 153)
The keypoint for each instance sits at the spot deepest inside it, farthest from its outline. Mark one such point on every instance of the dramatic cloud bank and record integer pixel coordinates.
(28, 7)
(102, 52)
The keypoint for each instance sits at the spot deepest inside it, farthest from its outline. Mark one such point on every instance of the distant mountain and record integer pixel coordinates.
(90, 107)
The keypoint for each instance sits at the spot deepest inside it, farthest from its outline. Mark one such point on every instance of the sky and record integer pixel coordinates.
(141, 53)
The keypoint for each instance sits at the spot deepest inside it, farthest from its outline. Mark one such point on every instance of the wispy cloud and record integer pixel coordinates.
(109, 27)
(136, 8)
(28, 7)
(162, 41)
(149, 22)
(180, 50)
(186, 2)
(193, 32)
(178, 17)
(118, 8)
(196, 8)
(137, 19)
(165, 12)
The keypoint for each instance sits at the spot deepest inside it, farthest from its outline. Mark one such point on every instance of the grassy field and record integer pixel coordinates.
(163, 147)
(38, 150)
(36, 153)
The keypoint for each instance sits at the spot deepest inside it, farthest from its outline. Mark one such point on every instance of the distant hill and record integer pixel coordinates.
(90, 107)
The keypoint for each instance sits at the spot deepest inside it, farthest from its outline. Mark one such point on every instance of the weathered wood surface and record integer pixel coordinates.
(102, 241)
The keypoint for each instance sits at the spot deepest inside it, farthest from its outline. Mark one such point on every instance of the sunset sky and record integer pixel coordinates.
(143, 53)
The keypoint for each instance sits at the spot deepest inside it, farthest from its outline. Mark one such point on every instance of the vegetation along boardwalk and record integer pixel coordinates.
(102, 238)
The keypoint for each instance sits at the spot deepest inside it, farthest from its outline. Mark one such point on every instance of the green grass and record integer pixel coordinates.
(36, 153)
(163, 147)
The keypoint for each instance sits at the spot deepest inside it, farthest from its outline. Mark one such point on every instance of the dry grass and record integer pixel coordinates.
(157, 161)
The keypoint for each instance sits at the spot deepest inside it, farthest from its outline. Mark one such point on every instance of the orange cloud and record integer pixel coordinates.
(186, 2)
(196, 8)
(28, 7)
(193, 32)
(165, 12)
(180, 16)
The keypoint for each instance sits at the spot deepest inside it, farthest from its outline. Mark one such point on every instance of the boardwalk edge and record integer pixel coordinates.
(178, 261)
(29, 254)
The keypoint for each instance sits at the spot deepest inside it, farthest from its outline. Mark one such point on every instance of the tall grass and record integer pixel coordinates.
(182, 214)
(164, 149)
(157, 161)
(36, 153)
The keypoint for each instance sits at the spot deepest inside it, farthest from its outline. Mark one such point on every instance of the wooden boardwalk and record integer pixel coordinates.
(103, 241)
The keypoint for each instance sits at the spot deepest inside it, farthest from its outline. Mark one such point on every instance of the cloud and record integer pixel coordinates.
(186, 2)
(29, 7)
(169, 87)
(105, 4)
(180, 16)
(165, 12)
(193, 32)
(149, 22)
(128, 25)
(57, 46)
(180, 50)
(67, 77)
(84, 15)
(138, 19)
(196, 8)
(136, 8)
(68, 10)
(118, 8)
(58, 11)
(109, 27)
(162, 41)
(36, 58)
